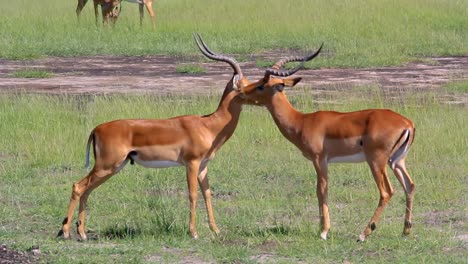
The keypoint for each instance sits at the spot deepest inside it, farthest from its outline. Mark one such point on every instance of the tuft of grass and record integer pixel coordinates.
(457, 87)
(190, 68)
(32, 73)
(264, 63)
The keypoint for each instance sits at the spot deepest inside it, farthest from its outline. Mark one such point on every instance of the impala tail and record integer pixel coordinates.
(403, 149)
(88, 149)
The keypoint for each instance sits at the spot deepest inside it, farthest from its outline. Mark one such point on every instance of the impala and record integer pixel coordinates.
(376, 136)
(110, 9)
(189, 141)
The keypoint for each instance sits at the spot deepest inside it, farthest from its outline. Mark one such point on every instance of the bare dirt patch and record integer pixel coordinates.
(157, 74)
(8, 255)
(186, 257)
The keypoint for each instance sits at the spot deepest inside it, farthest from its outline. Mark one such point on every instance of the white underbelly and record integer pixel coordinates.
(156, 163)
(358, 157)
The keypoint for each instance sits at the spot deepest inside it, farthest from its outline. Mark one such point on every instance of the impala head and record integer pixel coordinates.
(261, 91)
(274, 80)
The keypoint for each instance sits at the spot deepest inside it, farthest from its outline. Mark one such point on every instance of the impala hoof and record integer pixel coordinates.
(63, 235)
(361, 238)
(217, 232)
(195, 236)
(323, 235)
(407, 229)
(82, 237)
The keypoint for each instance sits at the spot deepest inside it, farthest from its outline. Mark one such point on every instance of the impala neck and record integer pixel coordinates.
(287, 118)
(224, 120)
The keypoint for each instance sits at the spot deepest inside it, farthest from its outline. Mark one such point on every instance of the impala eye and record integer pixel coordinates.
(260, 88)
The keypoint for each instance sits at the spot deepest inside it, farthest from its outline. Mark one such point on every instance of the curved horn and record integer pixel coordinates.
(218, 57)
(276, 68)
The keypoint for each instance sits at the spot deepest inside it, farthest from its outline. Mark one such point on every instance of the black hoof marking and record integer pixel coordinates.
(65, 221)
(408, 224)
(78, 224)
(373, 226)
(60, 233)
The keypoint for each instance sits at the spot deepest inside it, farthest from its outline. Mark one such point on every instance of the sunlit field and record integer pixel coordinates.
(264, 190)
(356, 33)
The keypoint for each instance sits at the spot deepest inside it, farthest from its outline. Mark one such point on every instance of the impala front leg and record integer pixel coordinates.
(149, 7)
(193, 168)
(321, 167)
(205, 187)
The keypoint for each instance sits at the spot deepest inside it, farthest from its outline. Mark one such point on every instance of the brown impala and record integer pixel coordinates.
(110, 9)
(189, 141)
(376, 136)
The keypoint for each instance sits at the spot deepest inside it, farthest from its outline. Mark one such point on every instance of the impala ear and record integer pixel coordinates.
(290, 82)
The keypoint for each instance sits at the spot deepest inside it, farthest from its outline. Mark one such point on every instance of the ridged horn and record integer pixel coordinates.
(217, 57)
(275, 70)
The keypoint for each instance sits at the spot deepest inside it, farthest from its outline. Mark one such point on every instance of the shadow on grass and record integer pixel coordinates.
(279, 229)
(121, 232)
(131, 231)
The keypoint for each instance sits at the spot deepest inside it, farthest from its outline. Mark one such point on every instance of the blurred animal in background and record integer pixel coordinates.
(110, 10)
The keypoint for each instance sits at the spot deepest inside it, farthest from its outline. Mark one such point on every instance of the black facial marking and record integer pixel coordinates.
(361, 143)
(260, 87)
(65, 221)
(373, 226)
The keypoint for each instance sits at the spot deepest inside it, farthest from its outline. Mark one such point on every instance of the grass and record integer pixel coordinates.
(190, 68)
(358, 33)
(264, 190)
(32, 73)
(457, 87)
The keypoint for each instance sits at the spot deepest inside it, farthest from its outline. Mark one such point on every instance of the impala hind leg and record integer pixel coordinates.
(205, 188)
(77, 190)
(405, 180)
(379, 171)
(80, 6)
(81, 191)
(321, 167)
(96, 12)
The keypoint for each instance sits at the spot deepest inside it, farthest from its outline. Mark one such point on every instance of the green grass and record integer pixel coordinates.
(32, 73)
(264, 63)
(190, 68)
(264, 190)
(356, 33)
(457, 87)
